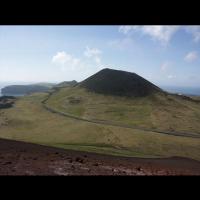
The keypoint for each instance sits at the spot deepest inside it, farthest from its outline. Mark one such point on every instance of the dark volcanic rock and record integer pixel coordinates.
(115, 82)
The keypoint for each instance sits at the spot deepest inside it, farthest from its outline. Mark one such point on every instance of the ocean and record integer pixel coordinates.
(183, 90)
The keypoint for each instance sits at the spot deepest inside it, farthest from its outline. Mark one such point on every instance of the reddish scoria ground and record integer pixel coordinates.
(20, 158)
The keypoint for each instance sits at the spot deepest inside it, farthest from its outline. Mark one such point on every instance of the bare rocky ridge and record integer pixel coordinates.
(20, 158)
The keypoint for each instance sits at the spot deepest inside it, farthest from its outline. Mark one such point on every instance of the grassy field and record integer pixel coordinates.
(29, 121)
(159, 111)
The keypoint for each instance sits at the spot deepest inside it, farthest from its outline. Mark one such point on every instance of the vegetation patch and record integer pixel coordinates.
(6, 102)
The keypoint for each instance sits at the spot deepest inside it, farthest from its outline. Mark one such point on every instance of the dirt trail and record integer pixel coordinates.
(20, 158)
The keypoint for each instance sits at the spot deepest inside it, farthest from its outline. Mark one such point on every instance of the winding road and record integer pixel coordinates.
(174, 133)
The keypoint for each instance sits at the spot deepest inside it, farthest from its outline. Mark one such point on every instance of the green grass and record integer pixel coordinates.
(29, 121)
(160, 112)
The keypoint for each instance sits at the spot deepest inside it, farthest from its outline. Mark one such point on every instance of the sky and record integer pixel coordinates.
(164, 55)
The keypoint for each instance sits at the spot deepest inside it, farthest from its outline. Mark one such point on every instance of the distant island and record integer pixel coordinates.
(17, 90)
(20, 90)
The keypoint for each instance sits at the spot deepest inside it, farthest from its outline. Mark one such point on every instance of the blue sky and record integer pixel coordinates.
(165, 55)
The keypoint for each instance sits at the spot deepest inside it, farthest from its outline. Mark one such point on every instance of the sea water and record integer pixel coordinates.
(183, 90)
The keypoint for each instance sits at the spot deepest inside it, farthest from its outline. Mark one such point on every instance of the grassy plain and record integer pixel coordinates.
(160, 111)
(29, 121)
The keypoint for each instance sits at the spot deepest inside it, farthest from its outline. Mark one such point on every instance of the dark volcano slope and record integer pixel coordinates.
(116, 82)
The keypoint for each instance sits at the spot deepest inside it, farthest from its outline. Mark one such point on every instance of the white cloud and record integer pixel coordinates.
(64, 58)
(171, 76)
(72, 67)
(94, 54)
(195, 31)
(121, 43)
(97, 60)
(160, 33)
(165, 66)
(191, 56)
(89, 52)
(126, 29)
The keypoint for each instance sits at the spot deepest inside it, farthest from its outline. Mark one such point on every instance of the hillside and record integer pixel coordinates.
(115, 82)
(161, 112)
(66, 83)
(151, 126)
(140, 104)
(49, 85)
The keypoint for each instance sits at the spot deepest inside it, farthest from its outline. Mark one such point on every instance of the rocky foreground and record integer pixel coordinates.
(20, 158)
